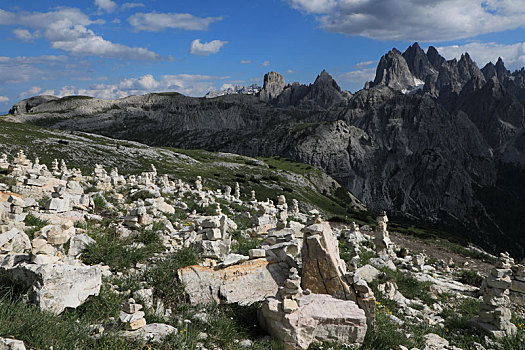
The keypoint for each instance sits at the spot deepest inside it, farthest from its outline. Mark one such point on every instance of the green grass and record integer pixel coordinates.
(241, 244)
(111, 250)
(470, 277)
(164, 276)
(35, 223)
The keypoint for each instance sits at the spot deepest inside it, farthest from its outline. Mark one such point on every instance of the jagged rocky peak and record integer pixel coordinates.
(468, 69)
(501, 71)
(489, 70)
(274, 84)
(393, 71)
(435, 58)
(418, 62)
(325, 92)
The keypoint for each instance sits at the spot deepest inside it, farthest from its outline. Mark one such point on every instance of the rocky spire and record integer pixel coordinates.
(501, 71)
(489, 70)
(273, 86)
(418, 62)
(468, 69)
(434, 57)
(325, 92)
(393, 71)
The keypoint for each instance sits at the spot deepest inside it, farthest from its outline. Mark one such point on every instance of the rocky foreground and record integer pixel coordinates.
(110, 261)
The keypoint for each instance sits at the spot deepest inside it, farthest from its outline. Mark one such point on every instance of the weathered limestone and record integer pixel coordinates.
(245, 283)
(14, 241)
(151, 333)
(57, 286)
(318, 318)
(494, 315)
(11, 344)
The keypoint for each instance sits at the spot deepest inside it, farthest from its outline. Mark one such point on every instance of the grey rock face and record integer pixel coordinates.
(273, 86)
(393, 71)
(418, 62)
(435, 58)
(28, 104)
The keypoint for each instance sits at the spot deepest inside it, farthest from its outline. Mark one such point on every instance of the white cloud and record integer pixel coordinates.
(246, 61)
(131, 5)
(358, 77)
(106, 5)
(25, 35)
(4, 99)
(34, 91)
(364, 64)
(513, 55)
(22, 68)
(187, 84)
(415, 20)
(314, 6)
(66, 29)
(265, 63)
(156, 22)
(206, 49)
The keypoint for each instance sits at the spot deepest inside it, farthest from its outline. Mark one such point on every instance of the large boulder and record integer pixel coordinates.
(245, 283)
(323, 269)
(54, 287)
(319, 318)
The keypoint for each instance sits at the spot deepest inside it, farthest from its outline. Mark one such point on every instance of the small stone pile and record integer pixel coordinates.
(131, 316)
(291, 291)
(494, 314)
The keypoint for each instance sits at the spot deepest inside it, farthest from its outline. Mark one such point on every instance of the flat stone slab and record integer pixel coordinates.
(245, 283)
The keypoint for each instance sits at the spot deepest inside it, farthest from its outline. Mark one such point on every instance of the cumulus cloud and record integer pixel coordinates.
(66, 29)
(265, 63)
(131, 5)
(105, 5)
(415, 20)
(206, 49)
(187, 84)
(25, 35)
(156, 22)
(246, 61)
(33, 91)
(513, 55)
(4, 99)
(290, 71)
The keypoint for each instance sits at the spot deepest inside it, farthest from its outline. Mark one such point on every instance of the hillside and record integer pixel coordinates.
(148, 258)
(416, 141)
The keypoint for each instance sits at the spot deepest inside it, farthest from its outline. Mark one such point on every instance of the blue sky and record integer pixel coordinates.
(115, 48)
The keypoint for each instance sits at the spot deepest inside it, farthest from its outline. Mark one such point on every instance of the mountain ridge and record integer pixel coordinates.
(425, 150)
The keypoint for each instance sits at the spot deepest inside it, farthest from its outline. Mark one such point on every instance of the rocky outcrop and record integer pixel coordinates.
(393, 71)
(28, 104)
(244, 283)
(318, 318)
(55, 287)
(273, 86)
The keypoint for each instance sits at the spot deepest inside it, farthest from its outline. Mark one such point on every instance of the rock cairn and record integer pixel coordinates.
(494, 314)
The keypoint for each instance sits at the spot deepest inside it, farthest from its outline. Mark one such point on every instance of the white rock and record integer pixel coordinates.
(57, 286)
(11, 344)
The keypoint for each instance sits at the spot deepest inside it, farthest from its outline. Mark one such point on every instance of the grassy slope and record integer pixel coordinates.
(269, 177)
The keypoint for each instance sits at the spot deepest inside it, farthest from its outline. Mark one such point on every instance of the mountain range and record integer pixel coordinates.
(430, 140)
